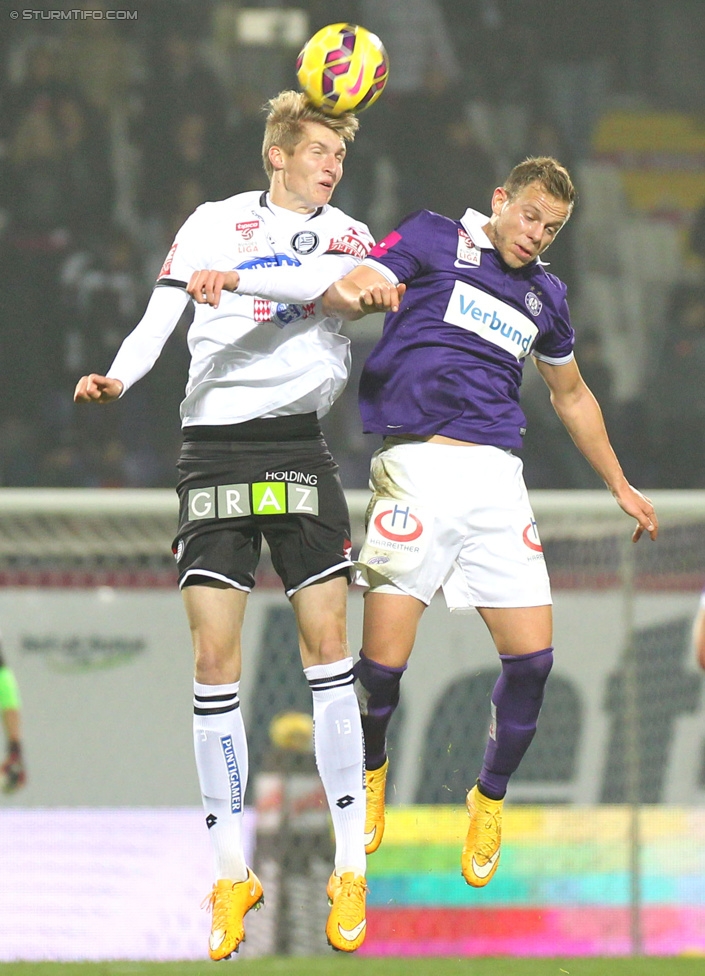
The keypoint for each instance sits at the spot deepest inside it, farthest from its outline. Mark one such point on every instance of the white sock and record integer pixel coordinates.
(339, 752)
(220, 745)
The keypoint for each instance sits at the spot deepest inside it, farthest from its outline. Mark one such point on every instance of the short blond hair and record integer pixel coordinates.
(286, 115)
(547, 171)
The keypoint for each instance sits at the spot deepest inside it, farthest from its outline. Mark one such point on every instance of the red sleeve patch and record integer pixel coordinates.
(166, 267)
(380, 249)
(348, 244)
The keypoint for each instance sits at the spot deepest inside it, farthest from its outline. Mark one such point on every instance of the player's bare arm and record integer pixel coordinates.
(362, 291)
(206, 287)
(580, 413)
(699, 636)
(97, 389)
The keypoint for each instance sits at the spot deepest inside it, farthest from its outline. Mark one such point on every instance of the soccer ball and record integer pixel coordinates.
(343, 68)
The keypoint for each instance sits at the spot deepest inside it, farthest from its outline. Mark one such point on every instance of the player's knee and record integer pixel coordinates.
(216, 664)
(376, 685)
(529, 670)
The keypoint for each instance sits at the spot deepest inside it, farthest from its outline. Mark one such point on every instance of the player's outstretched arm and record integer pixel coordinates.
(97, 389)
(362, 291)
(699, 636)
(580, 413)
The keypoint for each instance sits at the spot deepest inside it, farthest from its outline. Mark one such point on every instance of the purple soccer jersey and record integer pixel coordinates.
(450, 361)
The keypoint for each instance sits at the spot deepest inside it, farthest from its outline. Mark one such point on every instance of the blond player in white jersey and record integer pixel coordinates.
(266, 364)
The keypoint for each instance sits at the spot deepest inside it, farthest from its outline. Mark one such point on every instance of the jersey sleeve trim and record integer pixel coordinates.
(383, 270)
(170, 283)
(554, 360)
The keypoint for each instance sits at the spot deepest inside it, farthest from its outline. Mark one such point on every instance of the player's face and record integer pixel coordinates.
(523, 226)
(309, 175)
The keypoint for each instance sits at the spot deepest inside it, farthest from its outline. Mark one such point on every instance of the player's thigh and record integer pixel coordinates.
(519, 630)
(321, 618)
(215, 613)
(389, 627)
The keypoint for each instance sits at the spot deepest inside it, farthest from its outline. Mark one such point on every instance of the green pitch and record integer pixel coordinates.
(340, 965)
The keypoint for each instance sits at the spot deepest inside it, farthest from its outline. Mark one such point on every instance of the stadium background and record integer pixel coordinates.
(112, 131)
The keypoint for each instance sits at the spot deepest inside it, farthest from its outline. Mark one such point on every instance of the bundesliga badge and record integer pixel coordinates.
(468, 254)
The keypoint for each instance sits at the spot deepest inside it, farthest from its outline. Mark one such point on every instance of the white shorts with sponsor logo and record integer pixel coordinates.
(443, 515)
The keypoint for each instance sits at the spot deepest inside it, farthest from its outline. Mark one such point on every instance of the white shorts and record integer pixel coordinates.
(456, 517)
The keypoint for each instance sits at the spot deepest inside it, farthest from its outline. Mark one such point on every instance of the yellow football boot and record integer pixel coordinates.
(481, 849)
(346, 926)
(375, 784)
(229, 902)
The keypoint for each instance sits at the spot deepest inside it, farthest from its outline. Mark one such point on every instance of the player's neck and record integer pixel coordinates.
(281, 197)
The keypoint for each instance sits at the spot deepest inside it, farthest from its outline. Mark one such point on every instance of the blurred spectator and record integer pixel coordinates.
(19, 452)
(676, 396)
(60, 192)
(101, 57)
(696, 235)
(406, 124)
(584, 45)
(183, 129)
(466, 175)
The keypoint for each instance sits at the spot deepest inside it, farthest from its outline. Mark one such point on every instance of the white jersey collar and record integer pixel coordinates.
(473, 222)
(266, 201)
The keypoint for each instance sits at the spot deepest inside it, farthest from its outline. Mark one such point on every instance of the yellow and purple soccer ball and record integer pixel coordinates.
(343, 68)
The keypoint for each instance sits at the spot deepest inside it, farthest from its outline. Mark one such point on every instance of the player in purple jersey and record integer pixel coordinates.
(450, 508)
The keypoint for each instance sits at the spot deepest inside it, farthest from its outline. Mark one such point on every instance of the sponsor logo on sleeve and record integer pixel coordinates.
(386, 244)
(348, 244)
(166, 267)
(490, 318)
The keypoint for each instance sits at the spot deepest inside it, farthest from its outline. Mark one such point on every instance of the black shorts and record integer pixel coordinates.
(234, 492)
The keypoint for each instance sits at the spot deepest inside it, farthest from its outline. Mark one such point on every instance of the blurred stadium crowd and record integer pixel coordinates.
(112, 131)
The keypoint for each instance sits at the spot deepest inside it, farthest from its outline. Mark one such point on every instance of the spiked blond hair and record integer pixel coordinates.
(286, 115)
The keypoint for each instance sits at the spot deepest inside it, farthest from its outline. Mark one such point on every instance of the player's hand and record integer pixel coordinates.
(381, 297)
(641, 508)
(97, 389)
(205, 287)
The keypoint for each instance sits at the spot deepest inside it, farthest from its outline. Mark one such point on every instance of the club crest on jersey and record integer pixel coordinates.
(246, 228)
(304, 242)
(468, 253)
(533, 303)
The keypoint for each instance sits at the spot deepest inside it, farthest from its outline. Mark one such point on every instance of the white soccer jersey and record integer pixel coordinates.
(267, 350)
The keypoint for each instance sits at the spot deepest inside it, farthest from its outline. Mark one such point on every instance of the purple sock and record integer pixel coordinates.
(516, 702)
(377, 690)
